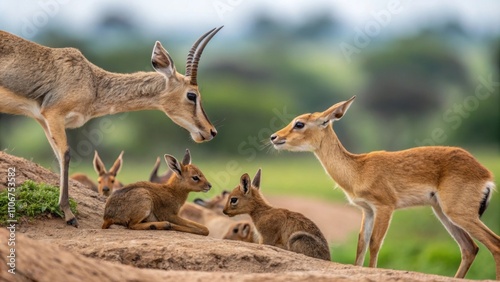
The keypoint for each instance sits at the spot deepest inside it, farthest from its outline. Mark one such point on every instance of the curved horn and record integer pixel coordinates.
(190, 55)
(193, 69)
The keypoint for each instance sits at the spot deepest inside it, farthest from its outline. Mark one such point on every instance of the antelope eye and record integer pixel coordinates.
(233, 200)
(113, 181)
(299, 125)
(191, 97)
(196, 178)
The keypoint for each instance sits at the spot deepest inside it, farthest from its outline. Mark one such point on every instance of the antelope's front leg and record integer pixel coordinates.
(364, 234)
(380, 225)
(54, 128)
(184, 225)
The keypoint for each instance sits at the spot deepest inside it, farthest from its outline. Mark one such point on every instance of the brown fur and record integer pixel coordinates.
(60, 88)
(146, 205)
(85, 180)
(242, 231)
(106, 180)
(277, 227)
(449, 179)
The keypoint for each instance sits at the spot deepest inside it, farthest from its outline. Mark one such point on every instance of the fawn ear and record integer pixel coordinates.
(161, 61)
(256, 179)
(153, 177)
(338, 110)
(173, 164)
(245, 183)
(245, 230)
(117, 165)
(98, 165)
(200, 202)
(187, 158)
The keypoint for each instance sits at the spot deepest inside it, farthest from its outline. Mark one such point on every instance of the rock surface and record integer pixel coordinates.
(48, 250)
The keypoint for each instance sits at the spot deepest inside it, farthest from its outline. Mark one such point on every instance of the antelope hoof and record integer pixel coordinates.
(73, 222)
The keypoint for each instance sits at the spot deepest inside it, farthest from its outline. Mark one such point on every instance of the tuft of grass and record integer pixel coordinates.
(32, 200)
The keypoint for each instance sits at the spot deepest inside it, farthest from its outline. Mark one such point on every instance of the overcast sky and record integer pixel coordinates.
(477, 16)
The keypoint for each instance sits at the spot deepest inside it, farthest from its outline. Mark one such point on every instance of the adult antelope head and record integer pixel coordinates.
(181, 100)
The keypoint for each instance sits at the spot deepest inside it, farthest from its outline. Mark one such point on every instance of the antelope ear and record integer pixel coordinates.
(153, 177)
(256, 179)
(161, 60)
(200, 202)
(245, 230)
(187, 158)
(338, 110)
(245, 183)
(173, 164)
(98, 165)
(117, 165)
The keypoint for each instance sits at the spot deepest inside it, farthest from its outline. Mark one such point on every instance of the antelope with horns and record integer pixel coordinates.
(146, 205)
(60, 88)
(449, 179)
(277, 227)
(106, 180)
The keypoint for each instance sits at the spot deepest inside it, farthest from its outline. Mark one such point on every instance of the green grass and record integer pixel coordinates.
(32, 200)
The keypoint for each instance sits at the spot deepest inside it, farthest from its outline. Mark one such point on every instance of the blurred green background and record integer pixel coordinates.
(423, 75)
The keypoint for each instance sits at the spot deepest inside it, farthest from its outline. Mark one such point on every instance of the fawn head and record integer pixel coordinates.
(306, 131)
(182, 99)
(155, 178)
(242, 199)
(106, 179)
(216, 203)
(187, 176)
(240, 231)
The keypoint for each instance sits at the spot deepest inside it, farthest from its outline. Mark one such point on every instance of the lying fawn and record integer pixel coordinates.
(60, 88)
(242, 231)
(277, 227)
(215, 204)
(449, 179)
(146, 205)
(106, 180)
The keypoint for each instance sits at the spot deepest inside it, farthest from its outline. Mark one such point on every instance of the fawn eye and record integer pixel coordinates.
(299, 125)
(233, 200)
(191, 97)
(113, 181)
(196, 178)
(235, 230)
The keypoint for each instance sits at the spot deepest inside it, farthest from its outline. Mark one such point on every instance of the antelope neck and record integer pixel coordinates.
(340, 164)
(118, 93)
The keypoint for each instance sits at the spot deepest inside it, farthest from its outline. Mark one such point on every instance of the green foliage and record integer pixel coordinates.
(32, 200)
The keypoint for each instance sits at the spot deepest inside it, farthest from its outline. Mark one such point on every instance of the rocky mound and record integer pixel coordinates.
(48, 250)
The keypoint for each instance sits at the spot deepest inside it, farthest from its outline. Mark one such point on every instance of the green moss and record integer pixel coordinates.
(32, 200)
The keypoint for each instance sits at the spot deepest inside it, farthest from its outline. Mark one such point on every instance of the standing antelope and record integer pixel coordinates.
(277, 227)
(106, 180)
(146, 205)
(60, 89)
(449, 179)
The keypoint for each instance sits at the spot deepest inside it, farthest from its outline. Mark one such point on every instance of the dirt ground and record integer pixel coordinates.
(48, 250)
